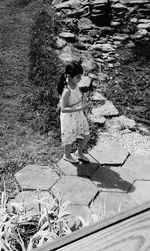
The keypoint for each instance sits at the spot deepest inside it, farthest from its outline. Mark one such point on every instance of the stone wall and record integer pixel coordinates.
(89, 23)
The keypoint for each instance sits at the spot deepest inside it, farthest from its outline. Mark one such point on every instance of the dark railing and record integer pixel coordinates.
(130, 230)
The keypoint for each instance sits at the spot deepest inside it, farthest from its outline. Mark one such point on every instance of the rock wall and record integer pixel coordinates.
(98, 27)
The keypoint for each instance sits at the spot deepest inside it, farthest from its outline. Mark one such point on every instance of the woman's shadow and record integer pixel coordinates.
(108, 179)
(104, 177)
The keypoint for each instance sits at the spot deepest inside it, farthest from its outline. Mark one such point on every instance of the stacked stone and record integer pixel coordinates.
(87, 29)
(118, 13)
(142, 37)
(141, 21)
(101, 12)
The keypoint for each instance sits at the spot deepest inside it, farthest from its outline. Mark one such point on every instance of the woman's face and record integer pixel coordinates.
(76, 79)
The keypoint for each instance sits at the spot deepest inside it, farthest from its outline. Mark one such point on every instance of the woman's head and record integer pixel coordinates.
(73, 71)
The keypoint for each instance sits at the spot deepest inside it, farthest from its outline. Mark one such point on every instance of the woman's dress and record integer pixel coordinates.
(73, 125)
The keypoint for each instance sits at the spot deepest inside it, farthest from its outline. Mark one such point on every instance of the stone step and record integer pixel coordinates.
(138, 1)
(80, 169)
(137, 167)
(35, 177)
(141, 193)
(108, 204)
(109, 154)
(108, 179)
(77, 190)
(107, 109)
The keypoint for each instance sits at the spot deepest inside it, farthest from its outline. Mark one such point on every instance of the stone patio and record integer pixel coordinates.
(113, 181)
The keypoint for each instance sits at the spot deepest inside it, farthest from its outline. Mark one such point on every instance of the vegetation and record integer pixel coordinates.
(45, 68)
(24, 231)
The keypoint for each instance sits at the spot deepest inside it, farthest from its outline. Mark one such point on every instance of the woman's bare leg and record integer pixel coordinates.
(67, 150)
(67, 154)
(83, 144)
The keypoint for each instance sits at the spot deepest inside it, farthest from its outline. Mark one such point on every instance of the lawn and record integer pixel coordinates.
(20, 144)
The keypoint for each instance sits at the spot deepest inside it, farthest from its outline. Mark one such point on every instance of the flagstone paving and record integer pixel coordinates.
(78, 190)
(80, 169)
(124, 175)
(141, 192)
(108, 180)
(113, 181)
(109, 154)
(36, 177)
(108, 204)
(138, 167)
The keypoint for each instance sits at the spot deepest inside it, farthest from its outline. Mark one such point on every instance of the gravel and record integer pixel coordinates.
(134, 142)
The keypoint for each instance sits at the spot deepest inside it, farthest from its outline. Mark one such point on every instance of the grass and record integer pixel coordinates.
(44, 71)
(129, 84)
(20, 142)
(29, 128)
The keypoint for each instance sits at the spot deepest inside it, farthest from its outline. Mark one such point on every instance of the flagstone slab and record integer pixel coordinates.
(36, 177)
(77, 190)
(108, 204)
(124, 175)
(142, 192)
(84, 82)
(138, 167)
(66, 54)
(108, 180)
(97, 119)
(108, 109)
(109, 154)
(98, 97)
(80, 169)
(28, 200)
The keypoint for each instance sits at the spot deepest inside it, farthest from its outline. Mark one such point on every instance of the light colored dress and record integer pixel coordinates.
(73, 125)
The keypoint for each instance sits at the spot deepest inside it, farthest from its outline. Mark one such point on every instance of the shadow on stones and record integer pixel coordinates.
(86, 170)
(106, 178)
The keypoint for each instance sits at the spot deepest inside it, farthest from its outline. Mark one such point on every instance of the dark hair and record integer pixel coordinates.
(74, 68)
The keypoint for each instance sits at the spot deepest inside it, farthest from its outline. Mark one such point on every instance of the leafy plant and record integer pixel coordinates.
(22, 231)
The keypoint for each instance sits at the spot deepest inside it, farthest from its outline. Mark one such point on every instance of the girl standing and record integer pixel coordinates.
(73, 121)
